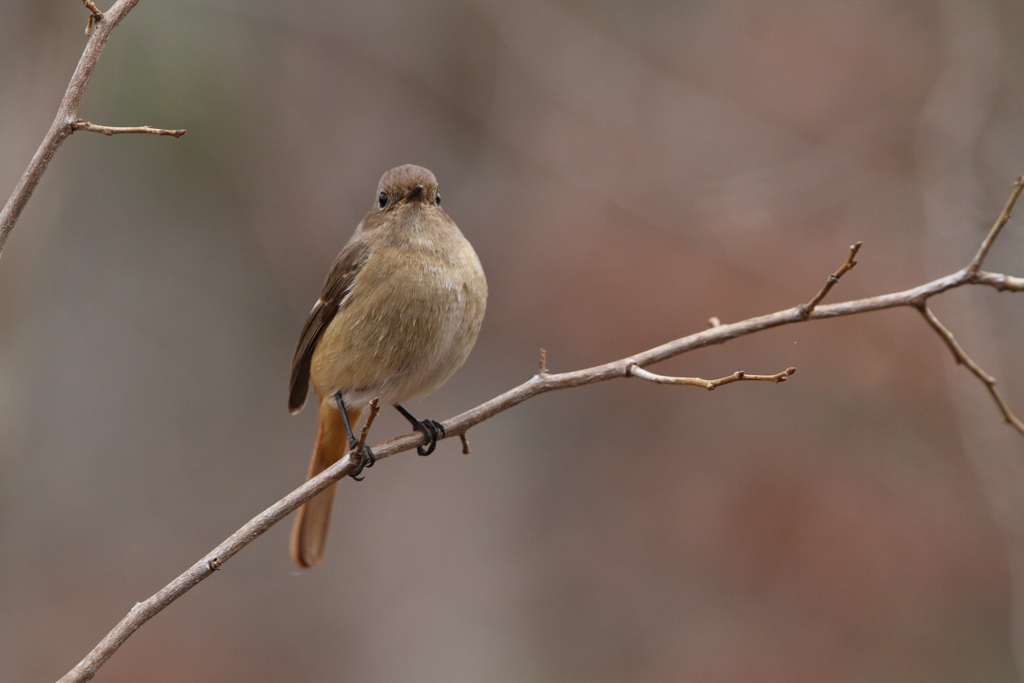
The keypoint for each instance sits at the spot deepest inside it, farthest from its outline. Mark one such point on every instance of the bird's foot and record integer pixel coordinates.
(367, 460)
(432, 430)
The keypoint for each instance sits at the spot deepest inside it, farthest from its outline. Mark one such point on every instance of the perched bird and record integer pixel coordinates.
(399, 313)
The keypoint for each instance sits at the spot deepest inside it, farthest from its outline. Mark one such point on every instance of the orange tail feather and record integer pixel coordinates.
(309, 534)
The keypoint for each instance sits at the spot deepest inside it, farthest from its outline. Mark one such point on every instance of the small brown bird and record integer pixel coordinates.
(398, 315)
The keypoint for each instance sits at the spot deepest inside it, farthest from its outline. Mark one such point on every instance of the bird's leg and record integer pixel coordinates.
(368, 458)
(432, 429)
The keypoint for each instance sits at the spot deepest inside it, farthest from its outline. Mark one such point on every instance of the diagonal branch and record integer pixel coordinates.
(1003, 219)
(544, 382)
(540, 383)
(100, 26)
(963, 359)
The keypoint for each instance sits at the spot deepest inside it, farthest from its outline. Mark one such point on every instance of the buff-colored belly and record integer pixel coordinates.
(398, 335)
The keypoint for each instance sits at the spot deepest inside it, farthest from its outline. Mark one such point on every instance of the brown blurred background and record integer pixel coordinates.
(625, 171)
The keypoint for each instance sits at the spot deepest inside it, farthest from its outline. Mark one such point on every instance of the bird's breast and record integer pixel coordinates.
(409, 321)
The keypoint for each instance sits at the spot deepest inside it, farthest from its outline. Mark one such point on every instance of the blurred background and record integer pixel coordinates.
(625, 171)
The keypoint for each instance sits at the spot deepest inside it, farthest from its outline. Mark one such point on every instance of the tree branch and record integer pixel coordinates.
(963, 359)
(1003, 219)
(544, 382)
(79, 124)
(830, 283)
(99, 28)
(633, 370)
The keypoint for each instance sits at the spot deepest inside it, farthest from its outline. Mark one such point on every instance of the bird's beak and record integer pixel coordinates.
(415, 193)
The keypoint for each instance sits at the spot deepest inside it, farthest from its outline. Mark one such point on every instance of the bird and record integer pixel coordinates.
(399, 313)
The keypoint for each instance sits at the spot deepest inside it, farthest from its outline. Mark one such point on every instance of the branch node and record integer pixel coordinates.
(95, 16)
(543, 363)
(465, 443)
(215, 564)
(713, 321)
(807, 308)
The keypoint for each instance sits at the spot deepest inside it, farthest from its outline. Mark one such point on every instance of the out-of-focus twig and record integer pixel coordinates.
(100, 26)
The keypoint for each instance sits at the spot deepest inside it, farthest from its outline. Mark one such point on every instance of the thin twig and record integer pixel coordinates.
(374, 409)
(832, 280)
(67, 113)
(465, 443)
(1003, 219)
(116, 130)
(543, 362)
(963, 359)
(95, 15)
(634, 370)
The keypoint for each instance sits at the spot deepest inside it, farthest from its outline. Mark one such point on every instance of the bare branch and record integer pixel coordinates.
(544, 382)
(963, 359)
(100, 26)
(634, 370)
(1003, 283)
(832, 280)
(79, 124)
(465, 443)
(1003, 219)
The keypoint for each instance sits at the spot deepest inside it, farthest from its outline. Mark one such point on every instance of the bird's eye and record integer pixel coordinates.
(382, 200)
(437, 199)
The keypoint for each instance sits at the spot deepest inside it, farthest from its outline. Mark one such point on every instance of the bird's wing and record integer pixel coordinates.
(337, 286)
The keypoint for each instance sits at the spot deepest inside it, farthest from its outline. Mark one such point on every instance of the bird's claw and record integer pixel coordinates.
(367, 460)
(433, 430)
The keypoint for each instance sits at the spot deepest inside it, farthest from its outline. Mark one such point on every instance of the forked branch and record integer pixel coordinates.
(67, 121)
(544, 382)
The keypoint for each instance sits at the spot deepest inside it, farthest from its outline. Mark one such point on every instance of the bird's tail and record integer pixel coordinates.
(309, 535)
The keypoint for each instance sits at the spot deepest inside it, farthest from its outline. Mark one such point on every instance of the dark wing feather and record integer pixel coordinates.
(336, 288)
